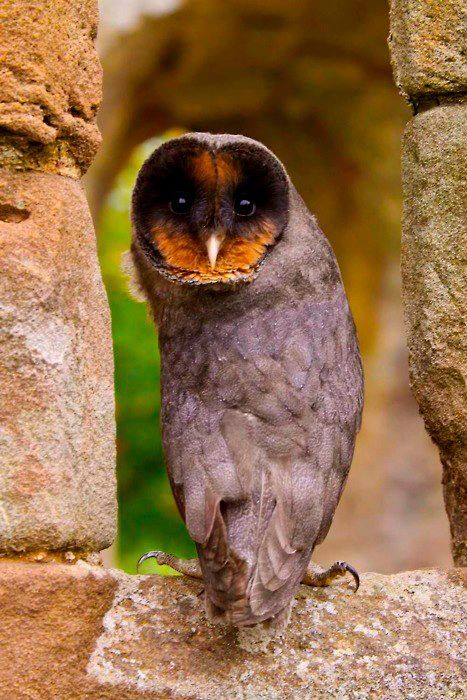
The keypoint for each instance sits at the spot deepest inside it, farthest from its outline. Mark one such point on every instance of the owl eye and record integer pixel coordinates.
(244, 205)
(180, 203)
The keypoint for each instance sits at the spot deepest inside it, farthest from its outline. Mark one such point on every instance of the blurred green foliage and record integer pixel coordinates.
(148, 518)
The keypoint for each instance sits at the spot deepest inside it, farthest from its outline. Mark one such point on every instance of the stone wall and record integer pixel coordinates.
(427, 44)
(57, 438)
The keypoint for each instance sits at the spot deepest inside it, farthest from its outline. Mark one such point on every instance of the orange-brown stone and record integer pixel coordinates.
(57, 453)
(50, 85)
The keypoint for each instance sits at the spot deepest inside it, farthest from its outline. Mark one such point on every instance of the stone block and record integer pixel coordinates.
(434, 272)
(50, 82)
(80, 631)
(57, 452)
(428, 43)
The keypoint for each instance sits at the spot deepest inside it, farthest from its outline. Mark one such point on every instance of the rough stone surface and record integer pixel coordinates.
(87, 632)
(428, 46)
(51, 617)
(50, 84)
(435, 282)
(57, 481)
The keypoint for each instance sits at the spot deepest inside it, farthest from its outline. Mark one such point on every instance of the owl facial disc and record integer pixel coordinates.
(207, 212)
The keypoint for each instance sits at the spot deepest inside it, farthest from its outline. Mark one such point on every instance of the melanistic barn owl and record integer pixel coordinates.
(261, 377)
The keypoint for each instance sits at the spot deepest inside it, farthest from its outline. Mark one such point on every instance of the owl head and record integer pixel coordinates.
(207, 208)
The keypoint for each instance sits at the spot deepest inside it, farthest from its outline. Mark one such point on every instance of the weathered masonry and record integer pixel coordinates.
(57, 440)
(428, 50)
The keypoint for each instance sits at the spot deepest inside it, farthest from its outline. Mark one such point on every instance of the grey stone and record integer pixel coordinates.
(434, 272)
(428, 46)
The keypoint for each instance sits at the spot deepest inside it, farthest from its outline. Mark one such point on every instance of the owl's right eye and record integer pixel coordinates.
(180, 203)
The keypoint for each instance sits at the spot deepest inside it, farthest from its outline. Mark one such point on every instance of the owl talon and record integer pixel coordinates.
(315, 576)
(187, 567)
(148, 555)
(353, 572)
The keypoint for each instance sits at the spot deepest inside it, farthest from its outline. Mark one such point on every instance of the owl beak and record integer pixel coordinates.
(213, 246)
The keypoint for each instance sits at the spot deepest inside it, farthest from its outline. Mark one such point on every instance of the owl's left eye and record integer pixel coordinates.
(180, 203)
(244, 205)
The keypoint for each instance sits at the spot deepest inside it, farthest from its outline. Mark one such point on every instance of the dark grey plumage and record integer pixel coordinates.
(262, 394)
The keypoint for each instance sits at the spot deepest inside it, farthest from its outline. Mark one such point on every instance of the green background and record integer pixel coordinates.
(148, 518)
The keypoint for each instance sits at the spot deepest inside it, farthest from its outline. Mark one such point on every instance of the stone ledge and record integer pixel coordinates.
(80, 631)
(427, 43)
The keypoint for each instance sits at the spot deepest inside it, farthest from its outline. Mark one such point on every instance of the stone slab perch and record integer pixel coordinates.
(80, 631)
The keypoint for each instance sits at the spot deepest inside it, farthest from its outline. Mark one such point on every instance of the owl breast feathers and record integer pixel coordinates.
(261, 376)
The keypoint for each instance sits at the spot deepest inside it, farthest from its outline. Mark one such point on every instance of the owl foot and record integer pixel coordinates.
(187, 567)
(316, 576)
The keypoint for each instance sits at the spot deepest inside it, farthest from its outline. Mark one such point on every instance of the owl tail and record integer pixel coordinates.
(251, 565)
(226, 577)
(232, 593)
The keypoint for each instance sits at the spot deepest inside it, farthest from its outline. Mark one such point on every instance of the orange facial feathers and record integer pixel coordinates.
(186, 254)
(215, 172)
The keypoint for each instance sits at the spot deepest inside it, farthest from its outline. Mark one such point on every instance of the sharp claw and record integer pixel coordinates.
(148, 555)
(353, 573)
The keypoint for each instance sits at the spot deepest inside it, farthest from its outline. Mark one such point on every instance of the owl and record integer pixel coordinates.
(261, 377)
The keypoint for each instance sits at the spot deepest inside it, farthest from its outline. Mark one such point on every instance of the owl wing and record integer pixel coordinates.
(269, 444)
